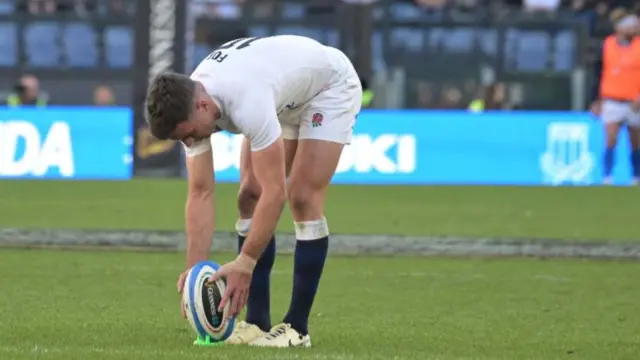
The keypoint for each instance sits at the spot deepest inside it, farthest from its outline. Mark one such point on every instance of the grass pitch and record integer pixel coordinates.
(590, 213)
(64, 305)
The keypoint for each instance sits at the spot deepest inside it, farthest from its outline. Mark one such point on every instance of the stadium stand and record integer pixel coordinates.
(54, 43)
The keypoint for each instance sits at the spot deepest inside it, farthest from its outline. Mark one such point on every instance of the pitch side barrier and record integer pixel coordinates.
(389, 147)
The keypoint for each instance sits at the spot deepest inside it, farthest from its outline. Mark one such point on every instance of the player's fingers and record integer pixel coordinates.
(243, 300)
(225, 298)
(236, 302)
(222, 272)
(180, 283)
(217, 275)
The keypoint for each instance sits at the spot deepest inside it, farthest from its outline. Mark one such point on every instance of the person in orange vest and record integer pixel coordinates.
(618, 93)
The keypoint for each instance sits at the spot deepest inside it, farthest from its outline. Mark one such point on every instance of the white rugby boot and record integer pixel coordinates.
(283, 336)
(244, 333)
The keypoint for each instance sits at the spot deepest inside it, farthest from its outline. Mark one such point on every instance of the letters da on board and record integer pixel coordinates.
(66, 143)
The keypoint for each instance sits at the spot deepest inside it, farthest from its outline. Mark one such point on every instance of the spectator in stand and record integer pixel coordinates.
(38, 6)
(103, 96)
(490, 97)
(27, 92)
(450, 98)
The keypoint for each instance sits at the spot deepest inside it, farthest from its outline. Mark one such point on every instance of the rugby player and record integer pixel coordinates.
(618, 93)
(295, 101)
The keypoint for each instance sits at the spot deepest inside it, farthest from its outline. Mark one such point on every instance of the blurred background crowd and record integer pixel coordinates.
(437, 54)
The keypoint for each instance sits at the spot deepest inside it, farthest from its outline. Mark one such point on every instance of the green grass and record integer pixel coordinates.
(592, 213)
(66, 305)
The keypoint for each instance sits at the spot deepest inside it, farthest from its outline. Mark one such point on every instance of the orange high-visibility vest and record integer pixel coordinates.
(620, 78)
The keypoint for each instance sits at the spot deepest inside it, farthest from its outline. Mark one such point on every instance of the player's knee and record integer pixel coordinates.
(248, 196)
(304, 201)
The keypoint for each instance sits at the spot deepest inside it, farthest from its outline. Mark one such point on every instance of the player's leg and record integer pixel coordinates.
(313, 166)
(258, 317)
(613, 115)
(326, 127)
(633, 127)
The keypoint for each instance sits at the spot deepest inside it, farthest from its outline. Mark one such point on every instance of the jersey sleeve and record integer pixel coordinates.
(199, 147)
(255, 116)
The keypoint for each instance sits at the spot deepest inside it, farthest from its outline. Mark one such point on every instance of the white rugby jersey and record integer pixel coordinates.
(254, 80)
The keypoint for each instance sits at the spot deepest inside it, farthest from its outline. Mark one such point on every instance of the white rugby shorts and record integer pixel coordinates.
(331, 115)
(619, 112)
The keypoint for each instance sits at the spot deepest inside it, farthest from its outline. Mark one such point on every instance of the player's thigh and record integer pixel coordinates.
(313, 167)
(246, 166)
(290, 132)
(315, 164)
(290, 147)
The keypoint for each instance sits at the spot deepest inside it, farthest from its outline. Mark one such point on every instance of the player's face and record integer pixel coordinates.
(193, 130)
(200, 125)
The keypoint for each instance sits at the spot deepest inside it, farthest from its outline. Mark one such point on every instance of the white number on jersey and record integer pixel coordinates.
(221, 53)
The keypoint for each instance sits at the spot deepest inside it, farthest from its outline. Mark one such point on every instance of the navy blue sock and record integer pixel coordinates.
(635, 163)
(259, 301)
(608, 161)
(310, 256)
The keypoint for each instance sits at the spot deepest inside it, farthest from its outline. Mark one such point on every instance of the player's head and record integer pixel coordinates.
(626, 25)
(179, 108)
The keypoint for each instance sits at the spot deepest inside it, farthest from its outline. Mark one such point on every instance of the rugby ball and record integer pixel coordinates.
(200, 300)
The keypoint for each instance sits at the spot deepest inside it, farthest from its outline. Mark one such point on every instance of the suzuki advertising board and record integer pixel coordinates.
(457, 147)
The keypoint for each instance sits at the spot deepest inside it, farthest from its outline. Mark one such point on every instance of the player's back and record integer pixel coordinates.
(296, 67)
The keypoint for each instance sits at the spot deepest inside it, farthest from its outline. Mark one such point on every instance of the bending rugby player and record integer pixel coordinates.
(295, 101)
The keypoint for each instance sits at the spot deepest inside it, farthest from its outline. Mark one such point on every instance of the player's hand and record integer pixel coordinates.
(238, 274)
(180, 285)
(181, 279)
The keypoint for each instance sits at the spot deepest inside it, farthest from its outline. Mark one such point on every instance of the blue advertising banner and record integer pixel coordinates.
(66, 143)
(457, 147)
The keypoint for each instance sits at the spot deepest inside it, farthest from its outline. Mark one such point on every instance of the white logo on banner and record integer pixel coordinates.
(39, 155)
(386, 153)
(567, 158)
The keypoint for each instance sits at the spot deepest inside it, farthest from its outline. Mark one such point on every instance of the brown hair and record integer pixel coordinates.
(169, 102)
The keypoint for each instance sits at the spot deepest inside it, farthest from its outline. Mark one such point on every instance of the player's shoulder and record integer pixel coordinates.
(220, 83)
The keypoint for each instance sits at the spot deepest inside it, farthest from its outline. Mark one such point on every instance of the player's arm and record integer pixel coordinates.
(199, 210)
(259, 122)
(269, 170)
